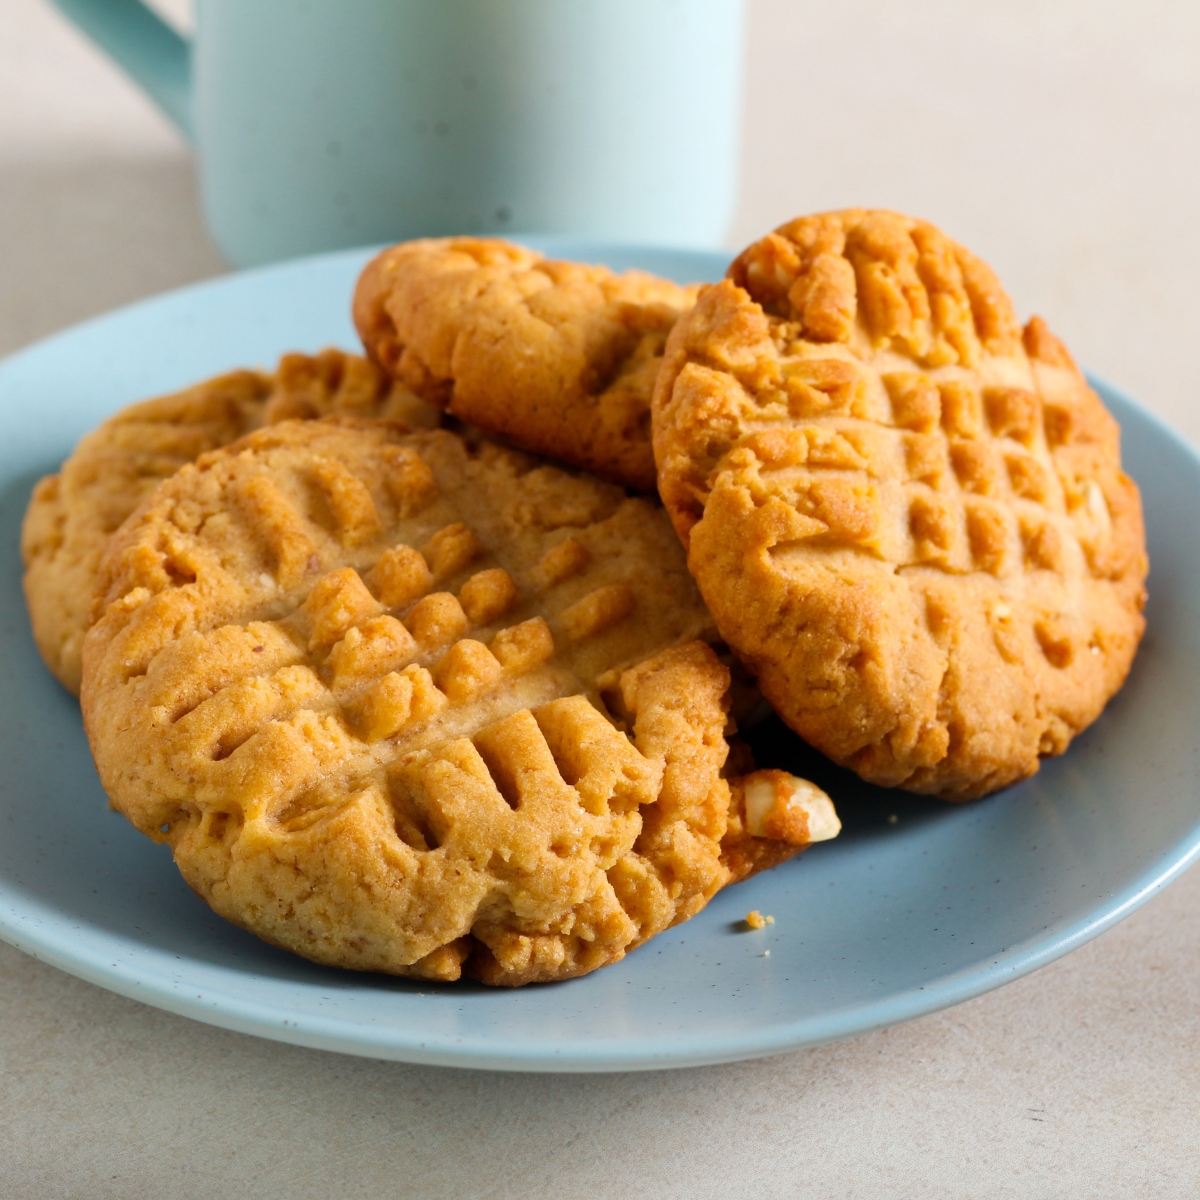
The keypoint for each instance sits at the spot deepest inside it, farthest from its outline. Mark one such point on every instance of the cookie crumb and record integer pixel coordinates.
(755, 920)
(766, 954)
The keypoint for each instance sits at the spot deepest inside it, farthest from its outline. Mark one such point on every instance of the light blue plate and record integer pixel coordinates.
(887, 923)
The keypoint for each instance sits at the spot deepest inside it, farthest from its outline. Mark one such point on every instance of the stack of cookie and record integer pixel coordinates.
(413, 670)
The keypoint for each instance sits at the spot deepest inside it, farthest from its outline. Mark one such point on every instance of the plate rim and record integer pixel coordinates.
(52, 936)
(389, 1043)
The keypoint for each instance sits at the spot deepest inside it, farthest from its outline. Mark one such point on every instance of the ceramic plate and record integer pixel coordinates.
(895, 919)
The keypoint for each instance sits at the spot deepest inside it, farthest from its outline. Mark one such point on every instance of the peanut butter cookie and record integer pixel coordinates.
(556, 357)
(72, 514)
(403, 703)
(906, 513)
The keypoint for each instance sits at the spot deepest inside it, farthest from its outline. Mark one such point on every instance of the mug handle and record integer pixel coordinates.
(157, 58)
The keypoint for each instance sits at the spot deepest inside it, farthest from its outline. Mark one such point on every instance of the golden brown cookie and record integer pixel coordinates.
(556, 357)
(907, 514)
(400, 703)
(72, 514)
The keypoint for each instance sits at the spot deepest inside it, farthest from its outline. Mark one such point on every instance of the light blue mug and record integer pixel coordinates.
(320, 124)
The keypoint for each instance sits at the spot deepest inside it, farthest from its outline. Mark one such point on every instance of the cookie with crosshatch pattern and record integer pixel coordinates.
(72, 514)
(556, 357)
(403, 703)
(906, 513)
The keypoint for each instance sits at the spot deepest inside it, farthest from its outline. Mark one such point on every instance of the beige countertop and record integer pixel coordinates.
(1059, 140)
